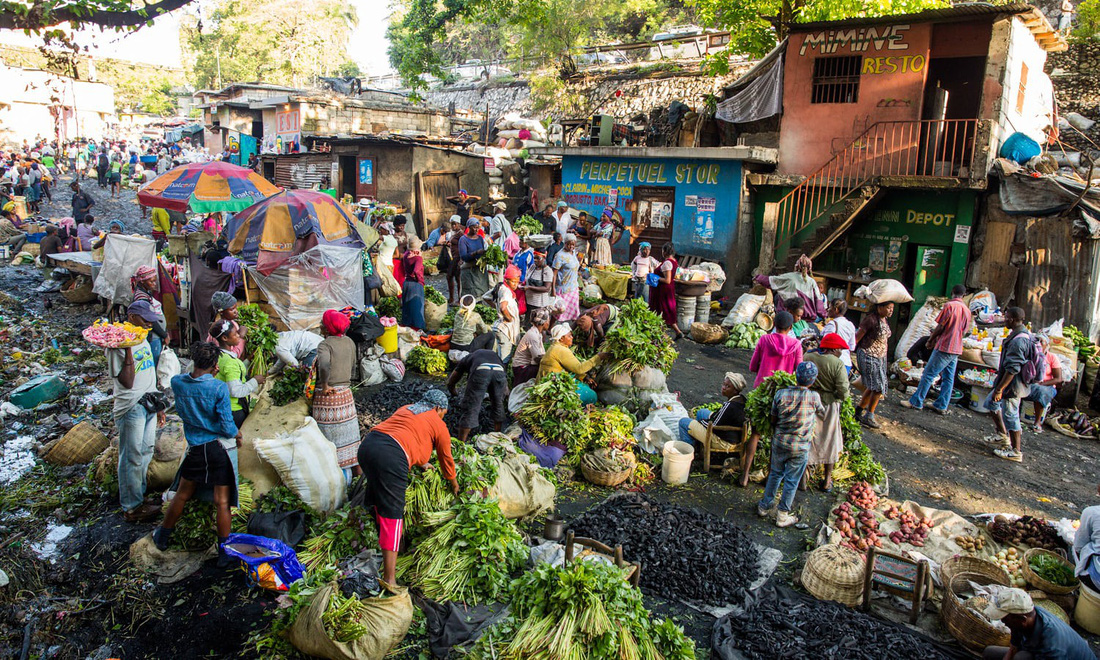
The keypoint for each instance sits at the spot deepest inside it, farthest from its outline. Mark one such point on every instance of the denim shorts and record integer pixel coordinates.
(1010, 410)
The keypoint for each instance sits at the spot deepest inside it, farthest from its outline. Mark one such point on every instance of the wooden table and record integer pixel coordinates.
(80, 263)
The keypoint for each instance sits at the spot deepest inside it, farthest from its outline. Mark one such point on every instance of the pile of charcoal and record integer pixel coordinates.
(375, 404)
(787, 624)
(685, 553)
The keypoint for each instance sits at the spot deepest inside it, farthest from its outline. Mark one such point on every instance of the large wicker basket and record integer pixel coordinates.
(80, 445)
(965, 625)
(835, 573)
(1039, 583)
(608, 479)
(79, 290)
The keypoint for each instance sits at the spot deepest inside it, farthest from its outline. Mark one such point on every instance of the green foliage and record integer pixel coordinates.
(281, 498)
(527, 225)
(758, 405)
(494, 257)
(487, 313)
(389, 306)
(343, 533)
(289, 386)
(194, 530)
(432, 295)
(271, 642)
(427, 361)
(550, 93)
(639, 340)
(262, 337)
(553, 412)
(713, 407)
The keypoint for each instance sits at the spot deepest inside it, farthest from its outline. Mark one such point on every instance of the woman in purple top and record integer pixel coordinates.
(85, 233)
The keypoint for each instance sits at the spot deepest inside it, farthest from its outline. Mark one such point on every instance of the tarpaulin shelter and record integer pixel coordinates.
(289, 223)
(305, 285)
(209, 187)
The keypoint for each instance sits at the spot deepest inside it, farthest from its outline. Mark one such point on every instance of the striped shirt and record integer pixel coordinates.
(796, 409)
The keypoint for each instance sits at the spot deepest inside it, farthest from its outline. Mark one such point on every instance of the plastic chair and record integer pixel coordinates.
(897, 575)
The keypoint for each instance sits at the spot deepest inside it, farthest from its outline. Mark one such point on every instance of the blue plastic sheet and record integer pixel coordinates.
(277, 558)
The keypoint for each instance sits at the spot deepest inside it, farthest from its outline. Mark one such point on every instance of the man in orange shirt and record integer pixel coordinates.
(389, 451)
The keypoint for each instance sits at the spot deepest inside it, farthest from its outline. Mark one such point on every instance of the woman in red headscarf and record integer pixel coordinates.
(333, 403)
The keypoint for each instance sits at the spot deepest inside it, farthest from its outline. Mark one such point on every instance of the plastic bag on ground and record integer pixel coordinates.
(455, 625)
(983, 302)
(521, 490)
(744, 310)
(884, 291)
(652, 433)
(270, 563)
(669, 409)
(306, 463)
(393, 368)
(370, 367)
(387, 622)
(593, 291)
(286, 526)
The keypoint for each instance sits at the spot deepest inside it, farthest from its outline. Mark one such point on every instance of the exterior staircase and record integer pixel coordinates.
(826, 232)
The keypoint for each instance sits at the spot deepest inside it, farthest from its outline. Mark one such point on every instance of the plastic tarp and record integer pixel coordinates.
(761, 96)
(122, 256)
(1021, 194)
(321, 278)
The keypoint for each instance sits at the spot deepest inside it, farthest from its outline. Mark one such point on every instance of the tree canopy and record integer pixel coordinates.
(38, 15)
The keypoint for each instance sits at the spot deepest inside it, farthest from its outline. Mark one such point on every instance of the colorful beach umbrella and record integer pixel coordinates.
(286, 224)
(207, 187)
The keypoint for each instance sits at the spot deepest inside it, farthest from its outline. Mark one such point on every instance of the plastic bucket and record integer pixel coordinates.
(388, 340)
(685, 312)
(978, 395)
(676, 465)
(1027, 411)
(1087, 612)
(702, 308)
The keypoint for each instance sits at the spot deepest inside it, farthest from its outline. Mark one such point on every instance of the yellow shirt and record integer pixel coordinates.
(161, 222)
(560, 358)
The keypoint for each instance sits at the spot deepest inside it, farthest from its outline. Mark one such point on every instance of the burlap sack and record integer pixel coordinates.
(708, 333)
(521, 490)
(433, 315)
(387, 621)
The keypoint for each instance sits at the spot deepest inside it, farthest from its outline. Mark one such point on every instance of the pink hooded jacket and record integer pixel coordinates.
(775, 352)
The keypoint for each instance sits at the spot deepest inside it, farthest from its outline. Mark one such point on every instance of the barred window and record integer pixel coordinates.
(836, 79)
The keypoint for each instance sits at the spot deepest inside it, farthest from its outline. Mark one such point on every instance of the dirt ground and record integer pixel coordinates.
(87, 603)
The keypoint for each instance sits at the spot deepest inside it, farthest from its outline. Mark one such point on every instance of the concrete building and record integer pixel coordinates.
(36, 103)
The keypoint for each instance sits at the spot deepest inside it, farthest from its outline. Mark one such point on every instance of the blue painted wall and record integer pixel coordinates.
(587, 180)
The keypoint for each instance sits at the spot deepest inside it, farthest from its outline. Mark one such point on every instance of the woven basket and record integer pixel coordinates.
(1039, 583)
(835, 573)
(33, 249)
(80, 445)
(79, 290)
(1050, 606)
(965, 625)
(608, 479)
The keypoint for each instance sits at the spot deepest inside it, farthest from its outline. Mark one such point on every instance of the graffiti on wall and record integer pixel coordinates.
(856, 40)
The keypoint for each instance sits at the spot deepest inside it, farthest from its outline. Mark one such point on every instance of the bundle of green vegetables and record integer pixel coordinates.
(343, 533)
(389, 306)
(262, 337)
(469, 556)
(581, 610)
(290, 385)
(448, 321)
(427, 492)
(432, 295)
(431, 266)
(194, 531)
(639, 340)
(487, 313)
(1053, 570)
(744, 335)
(588, 302)
(527, 225)
(246, 505)
(610, 427)
(553, 411)
(343, 618)
(427, 361)
(272, 642)
(494, 257)
(713, 407)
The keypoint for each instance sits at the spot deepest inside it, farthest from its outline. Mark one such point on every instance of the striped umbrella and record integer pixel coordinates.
(286, 224)
(207, 187)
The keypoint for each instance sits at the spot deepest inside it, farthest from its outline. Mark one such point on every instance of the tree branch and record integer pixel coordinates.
(39, 16)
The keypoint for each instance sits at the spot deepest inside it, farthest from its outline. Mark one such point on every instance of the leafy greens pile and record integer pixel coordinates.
(290, 385)
(388, 306)
(262, 337)
(494, 257)
(526, 226)
(427, 361)
(429, 493)
(432, 295)
(639, 341)
(343, 533)
(553, 412)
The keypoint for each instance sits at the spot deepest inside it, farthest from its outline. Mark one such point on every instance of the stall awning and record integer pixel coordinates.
(759, 93)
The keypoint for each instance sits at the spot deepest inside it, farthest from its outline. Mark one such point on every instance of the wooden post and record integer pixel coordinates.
(767, 238)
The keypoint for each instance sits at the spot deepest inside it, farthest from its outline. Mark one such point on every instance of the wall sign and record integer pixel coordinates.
(613, 197)
(690, 200)
(705, 204)
(490, 164)
(366, 172)
(890, 37)
(962, 233)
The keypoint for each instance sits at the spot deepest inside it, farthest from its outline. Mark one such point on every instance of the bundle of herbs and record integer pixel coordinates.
(194, 531)
(638, 341)
(290, 385)
(343, 533)
(494, 257)
(470, 554)
(581, 610)
(428, 492)
(527, 225)
(432, 295)
(389, 306)
(262, 337)
(427, 361)
(553, 412)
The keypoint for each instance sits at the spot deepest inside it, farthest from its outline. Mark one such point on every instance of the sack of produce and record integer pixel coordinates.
(884, 291)
(744, 310)
(649, 378)
(921, 326)
(707, 333)
(354, 629)
(521, 490)
(114, 335)
(306, 463)
(370, 367)
(170, 445)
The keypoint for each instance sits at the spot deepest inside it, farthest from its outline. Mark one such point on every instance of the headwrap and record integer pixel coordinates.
(541, 253)
(222, 301)
(512, 271)
(735, 379)
(1008, 601)
(806, 373)
(466, 305)
(472, 222)
(335, 323)
(462, 191)
(559, 331)
(117, 223)
(562, 204)
(833, 340)
(433, 398)
(144, 272)
(220, 328)
(541, 316)
(644, 244)
(456, 218)
(388, 226)
(804, 265)
(608, 211)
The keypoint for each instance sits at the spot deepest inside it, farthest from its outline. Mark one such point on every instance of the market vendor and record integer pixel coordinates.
(114, 227)
(471, 247)
(595, 323)
(832, 387)
(448, 262)
(82, 202)
(333, 403)
(499, 227)
(144, 286)
(537, 287)
(470, 331)
(203, 405)
(388, 452)
(463, 202)
(640, 267)
(1036, 633)
(1086, 547)
(797, 284)
(530, 349)
(412, 289)
(162, 225)
(232, 371)
(524, 258)
(506, 329)
(606, 233)
(559, 357)
(835, 321)
(944, 344)
(1043, 392)
(224, 306)
(485, 375)
(662, 299)
(872, 338)
(581, 227)
(797, 308)
(1008, 388)
(567, 278)
(296, 348)
(732, 413)
(10, 234)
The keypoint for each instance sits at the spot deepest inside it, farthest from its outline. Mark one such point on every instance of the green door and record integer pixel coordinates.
(931, 273)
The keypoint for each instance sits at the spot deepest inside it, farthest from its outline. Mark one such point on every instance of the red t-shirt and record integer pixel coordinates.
(955, 319)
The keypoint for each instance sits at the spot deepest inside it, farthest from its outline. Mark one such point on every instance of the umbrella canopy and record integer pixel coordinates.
(207, 187)
(286, 224)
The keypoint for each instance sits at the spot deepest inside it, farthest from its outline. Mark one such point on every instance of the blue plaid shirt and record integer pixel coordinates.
(796, 409)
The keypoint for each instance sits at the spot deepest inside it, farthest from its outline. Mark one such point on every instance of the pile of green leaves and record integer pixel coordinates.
(389, 306)
(610, 427)
(429, 493)
(713, 407)
(1052, 569)
(589, 302)
(487, 313)
(553, 411)
(494, 257)
(290, 385)
(469, 556)
(758, 410)
(343, 533)
(639, 341)
(194, 530)
(343, 618)
(431, 266)
(581, 610)
(448, 321)
(283, 499)
(427, 361)
(262, 337)
(432, 295)
(527, 225)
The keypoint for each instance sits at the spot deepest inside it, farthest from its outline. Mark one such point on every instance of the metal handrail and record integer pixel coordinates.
(921, 148)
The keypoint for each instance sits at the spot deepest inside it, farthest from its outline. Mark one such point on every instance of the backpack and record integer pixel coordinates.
(1035, 363)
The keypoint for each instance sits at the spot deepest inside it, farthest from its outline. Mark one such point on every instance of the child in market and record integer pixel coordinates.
(794, 414)
(640, 267)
